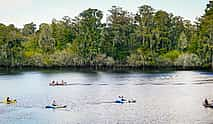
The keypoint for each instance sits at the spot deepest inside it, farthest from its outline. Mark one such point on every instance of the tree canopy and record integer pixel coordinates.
(147, 38)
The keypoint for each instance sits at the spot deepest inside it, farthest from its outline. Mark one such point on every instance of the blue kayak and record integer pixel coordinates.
(55, 107)
(126, 101)
(119, 101)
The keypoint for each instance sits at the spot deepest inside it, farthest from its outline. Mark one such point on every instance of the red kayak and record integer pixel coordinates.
(51, 84)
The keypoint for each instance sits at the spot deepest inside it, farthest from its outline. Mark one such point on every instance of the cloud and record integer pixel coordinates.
(15, 4)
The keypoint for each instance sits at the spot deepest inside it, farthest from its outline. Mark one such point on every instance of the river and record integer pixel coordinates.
(162, 97)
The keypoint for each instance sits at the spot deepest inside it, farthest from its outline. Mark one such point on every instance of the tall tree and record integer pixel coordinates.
(206, 30)
(10, 45)
(120, 28)
(145, 20)
(62, 32)
(46, 41)
(162, 25)
(89, 28)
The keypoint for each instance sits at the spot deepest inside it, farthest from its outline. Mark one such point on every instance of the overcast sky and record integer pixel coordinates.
(20, 12)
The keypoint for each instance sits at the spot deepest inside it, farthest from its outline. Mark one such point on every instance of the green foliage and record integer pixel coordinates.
(33, 59)
(119, 34)
(62, 32)
(183, 43)
(147, 38)
(88, 38)
(142, 58)
(188, 60)
(168, 59)
(46, 41)
(172, 55)
(29, 29)
(206, 33)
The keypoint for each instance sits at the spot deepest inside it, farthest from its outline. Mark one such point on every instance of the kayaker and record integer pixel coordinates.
(206, 101)
(8, 99)
(54, 103)
(56, 83)
(52, 83)
(122, 98)
(119, 98)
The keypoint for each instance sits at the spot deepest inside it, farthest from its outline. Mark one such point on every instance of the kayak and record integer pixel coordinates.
(119, 101)
(127, 101)
(55, 107)
(9, 102)
(50, 84)
(131, 101)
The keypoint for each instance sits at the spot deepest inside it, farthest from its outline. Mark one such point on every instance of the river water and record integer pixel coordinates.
(171, 97)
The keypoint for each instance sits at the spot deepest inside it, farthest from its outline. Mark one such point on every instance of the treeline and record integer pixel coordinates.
(146, 38)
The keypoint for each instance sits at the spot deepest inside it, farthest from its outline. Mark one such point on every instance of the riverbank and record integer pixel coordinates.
(122, 68)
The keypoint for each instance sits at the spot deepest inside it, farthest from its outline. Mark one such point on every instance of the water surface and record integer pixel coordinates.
(173, 97)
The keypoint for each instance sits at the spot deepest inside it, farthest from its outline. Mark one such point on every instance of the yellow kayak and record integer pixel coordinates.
(9, 102)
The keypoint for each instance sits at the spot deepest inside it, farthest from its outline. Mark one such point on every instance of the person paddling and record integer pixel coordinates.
(54, 103)
(122, 98)
(8, 99)
(53, 82)
(206, 101)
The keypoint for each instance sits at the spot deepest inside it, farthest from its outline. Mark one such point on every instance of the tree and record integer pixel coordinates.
(144, 30)
(182, 42)
(29, 29)
(206, 31)
(177, 26)
(62, 32)
(88, 37)
(120, 26)
(162, 25)
(46, 41)
(10, 45)
(146, 38)
(188, 60)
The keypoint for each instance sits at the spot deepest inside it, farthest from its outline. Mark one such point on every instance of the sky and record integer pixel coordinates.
(20, 12)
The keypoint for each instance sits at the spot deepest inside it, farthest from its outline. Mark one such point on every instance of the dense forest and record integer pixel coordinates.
(148, 38)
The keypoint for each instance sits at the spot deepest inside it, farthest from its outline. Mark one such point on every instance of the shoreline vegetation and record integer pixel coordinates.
(147, 39)
(106, 68)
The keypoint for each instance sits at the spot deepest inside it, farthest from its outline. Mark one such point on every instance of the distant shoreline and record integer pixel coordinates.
(115, 67)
